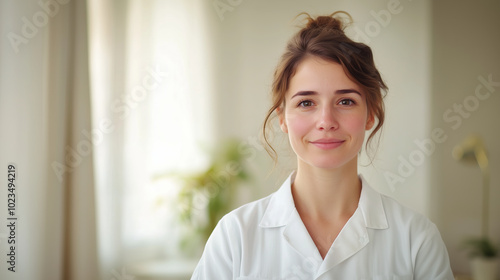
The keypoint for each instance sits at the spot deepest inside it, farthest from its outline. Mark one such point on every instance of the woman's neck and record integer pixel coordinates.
(326, 194)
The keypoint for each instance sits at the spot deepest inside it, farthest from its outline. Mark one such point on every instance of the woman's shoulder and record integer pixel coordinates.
(249, 213)
(376, 204)
(268, 211)
(402, 215)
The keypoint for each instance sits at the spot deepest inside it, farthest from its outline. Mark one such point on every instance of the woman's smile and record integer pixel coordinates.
(327, 143)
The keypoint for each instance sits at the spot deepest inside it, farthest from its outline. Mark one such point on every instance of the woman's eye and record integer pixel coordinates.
(347, 102)
(305, 103)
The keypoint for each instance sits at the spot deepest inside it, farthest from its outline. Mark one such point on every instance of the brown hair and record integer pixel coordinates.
(324, 37)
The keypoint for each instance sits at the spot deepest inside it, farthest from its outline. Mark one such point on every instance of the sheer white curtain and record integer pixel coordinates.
(151, 114)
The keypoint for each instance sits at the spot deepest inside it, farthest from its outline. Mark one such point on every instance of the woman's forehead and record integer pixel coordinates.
(316, 74)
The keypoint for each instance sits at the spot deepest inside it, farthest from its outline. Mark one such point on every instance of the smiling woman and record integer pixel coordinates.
(326, 114)
(325, 39)
(325, 221)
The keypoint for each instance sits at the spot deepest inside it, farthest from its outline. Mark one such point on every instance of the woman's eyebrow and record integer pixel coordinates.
(310, 92)
(349, 90)
(304, 93)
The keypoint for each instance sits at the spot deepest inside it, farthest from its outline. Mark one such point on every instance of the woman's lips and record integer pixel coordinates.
(327, 144)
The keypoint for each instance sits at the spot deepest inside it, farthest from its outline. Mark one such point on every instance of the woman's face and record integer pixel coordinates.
(325, 114)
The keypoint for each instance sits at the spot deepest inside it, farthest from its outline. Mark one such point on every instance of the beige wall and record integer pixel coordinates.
(466, 45)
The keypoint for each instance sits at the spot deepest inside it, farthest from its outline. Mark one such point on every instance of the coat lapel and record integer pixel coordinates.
(350, 240)
(354, 236)
(281, 212)
(298, 238)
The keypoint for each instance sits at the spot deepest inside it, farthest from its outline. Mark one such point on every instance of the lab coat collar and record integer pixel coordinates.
(353, 237)
(281, 206)
(370, 204)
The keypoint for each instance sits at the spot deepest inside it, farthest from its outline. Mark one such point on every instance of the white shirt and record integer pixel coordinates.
(266, 239)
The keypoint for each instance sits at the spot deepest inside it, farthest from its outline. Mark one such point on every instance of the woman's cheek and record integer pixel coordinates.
(355, 127)
(356, 124)
(298, 126)
(354, 121)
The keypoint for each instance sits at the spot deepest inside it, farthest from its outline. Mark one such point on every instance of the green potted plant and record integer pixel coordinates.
(483, 253)
(483, 256)
(481, 247)
(208, 195)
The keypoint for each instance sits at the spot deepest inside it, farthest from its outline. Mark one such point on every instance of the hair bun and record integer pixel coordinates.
(330, 22)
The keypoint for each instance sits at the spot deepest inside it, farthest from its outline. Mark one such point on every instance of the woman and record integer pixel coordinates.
(325, 222)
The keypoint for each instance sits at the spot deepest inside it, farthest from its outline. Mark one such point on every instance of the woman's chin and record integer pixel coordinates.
(329, 163)
(325, 164)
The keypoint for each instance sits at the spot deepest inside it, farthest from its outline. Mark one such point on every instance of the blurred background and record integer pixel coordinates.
(134, 125)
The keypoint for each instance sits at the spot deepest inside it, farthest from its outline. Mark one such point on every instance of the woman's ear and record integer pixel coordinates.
(370, 121)
(281, 116)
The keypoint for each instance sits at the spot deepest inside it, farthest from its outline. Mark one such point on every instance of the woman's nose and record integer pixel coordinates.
(327, 119)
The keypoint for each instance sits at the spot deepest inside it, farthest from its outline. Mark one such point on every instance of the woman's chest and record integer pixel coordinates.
(278, 256)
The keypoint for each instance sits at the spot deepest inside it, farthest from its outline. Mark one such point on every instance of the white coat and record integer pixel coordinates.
(266, 239)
